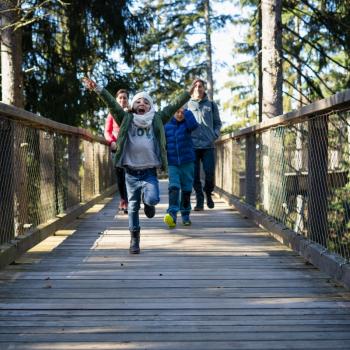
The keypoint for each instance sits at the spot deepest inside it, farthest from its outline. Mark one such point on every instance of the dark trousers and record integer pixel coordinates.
(121, 183)
(206, 157)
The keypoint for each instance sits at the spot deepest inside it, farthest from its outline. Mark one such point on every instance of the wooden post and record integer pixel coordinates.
(21, 175)
(73, 171)
(7, 227)
(60, 172)
(88, 177)
(250, 166)
(227, 166)
(317, 180)
(47, 177)
(97, 168)
(236, 168)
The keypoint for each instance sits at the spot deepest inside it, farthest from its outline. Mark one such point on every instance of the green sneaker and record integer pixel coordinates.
(169, 220)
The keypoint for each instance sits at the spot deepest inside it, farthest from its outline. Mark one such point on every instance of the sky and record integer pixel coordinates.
(223, 42)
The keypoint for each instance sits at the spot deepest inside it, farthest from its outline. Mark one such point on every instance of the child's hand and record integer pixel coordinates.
(89, 84)
(113, 146)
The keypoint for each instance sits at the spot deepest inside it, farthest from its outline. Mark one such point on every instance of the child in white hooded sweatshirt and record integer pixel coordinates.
(140, 150)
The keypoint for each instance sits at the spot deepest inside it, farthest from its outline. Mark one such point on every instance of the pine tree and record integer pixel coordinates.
(310, 70)
(59, 49)
(11, 54)
(174, 51)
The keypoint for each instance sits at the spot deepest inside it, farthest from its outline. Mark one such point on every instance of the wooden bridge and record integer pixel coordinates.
(223, 283)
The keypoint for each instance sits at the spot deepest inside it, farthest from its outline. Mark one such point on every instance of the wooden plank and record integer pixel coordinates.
(172, 328)
(130, 322)
(174, 303)
(181, 313)
(148, 293)
(176, 345)
(128, 284)
(155, 336)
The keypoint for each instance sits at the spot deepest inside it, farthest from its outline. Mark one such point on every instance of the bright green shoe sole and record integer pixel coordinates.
(168, 220)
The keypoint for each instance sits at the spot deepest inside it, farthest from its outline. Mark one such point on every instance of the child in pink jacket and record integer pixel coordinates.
(111, 134)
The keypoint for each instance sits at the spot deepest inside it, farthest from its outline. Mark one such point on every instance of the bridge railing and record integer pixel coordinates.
(46, 170)
(295, 169)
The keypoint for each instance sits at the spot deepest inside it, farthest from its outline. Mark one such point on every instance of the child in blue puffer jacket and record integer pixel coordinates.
(181, 157)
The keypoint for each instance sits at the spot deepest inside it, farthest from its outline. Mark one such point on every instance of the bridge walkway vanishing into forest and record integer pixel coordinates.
(222, 283)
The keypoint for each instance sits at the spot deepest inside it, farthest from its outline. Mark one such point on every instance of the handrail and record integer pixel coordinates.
(323, 106)
(31, 119)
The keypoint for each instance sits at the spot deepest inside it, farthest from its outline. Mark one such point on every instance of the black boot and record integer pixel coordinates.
(210, 202)
(200, 202)
(186, 200)
(135, 242)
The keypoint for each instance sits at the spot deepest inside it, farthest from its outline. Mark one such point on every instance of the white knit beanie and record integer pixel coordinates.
(144, 95)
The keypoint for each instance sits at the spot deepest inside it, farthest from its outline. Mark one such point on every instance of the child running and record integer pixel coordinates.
(140, 150)
(181, 158)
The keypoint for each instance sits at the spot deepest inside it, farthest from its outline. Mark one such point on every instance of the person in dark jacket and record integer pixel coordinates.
(207, 115)
(181, 156)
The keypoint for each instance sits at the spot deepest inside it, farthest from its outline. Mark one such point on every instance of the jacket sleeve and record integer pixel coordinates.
(108, 132)
(170, 110)
(113, 106)
(216, 120)
(190, 120)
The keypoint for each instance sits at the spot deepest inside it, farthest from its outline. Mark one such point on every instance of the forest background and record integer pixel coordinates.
(160, 46)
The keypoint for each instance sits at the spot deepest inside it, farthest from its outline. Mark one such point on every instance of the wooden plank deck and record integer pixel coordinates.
(220, 284)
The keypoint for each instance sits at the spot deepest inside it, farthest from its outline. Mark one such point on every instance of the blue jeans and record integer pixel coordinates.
(140, 182)
(206, 156)
(180, 179)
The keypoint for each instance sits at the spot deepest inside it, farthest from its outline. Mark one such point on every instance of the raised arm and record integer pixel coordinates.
(114, 108)
(190, 120)
(170, 110)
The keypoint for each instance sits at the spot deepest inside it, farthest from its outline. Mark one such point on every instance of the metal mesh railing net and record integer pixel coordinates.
(302, 177)
(44, 173)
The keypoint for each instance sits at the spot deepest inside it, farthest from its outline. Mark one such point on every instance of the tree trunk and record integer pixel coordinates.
(272, 58)
(260, 73)
(12, 94)
(210, 87)
(11, 55)
(272, 155)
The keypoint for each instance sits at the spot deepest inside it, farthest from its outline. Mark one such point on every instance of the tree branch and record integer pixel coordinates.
(308, 80)
(316, 73)
(317, 48)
